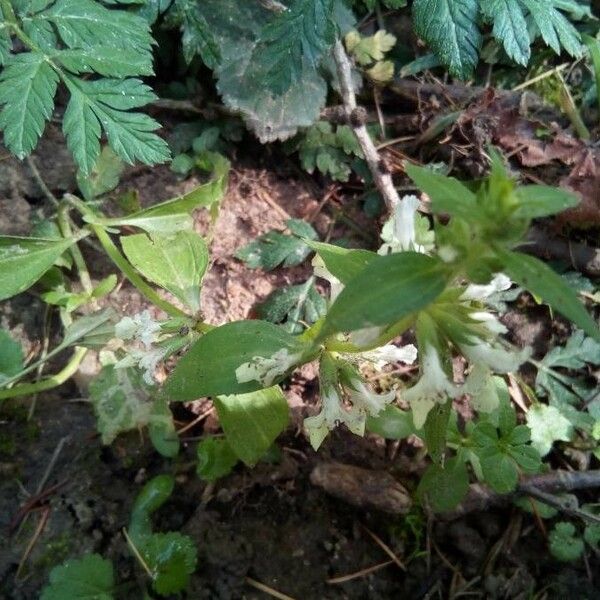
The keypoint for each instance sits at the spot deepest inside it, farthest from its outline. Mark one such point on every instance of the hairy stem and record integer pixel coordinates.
(383, 179)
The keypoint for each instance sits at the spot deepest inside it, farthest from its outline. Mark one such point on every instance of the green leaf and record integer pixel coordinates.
(294, 306)
(393, 287)
(510, 27)
(542, 200)
(251, 422)
(196, 38)
(450, 28)
(547, 426)
(499, 469)
(294, 38)
(343, 263)
(151, 497)
(392, 423)
(11, 356)
(447, 194)
(565, 544)
(445, 486)
(272, 249)
(171, 558)
(121, 401)
(161, 429)
(27, 88)
(554, 27)
(87, 578)
(104, 177)
(104, 104)
(174, 215)
(24, 260)
(209, 366)
(107, 61)
(216, 459)
(542, 281)
(435, 430)
(175, 262)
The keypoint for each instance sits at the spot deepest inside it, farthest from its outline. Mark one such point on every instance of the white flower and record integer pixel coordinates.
(480, 385)
(489, 321)
(146, 360)
(140, 327)
(390, 354)
(433, 387)
(499, 283)
(332, 414)
(266, 370)
(366, 400)
(320, 270)
(399, 232)
(494, 355)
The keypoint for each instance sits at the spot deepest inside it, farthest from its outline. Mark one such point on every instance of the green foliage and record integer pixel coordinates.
(547, 426)
(175, 262)
(273, 249)
(104, 177)
(65, 39)
(171, 558)
(294, 306)
(565, 544)
(216, 459)
(88, 578)
(251, 422)
(445, 485)
(24, 260)
(11, 356)
(329, 151)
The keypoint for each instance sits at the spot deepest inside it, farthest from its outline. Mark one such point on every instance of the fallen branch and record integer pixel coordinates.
(357, 117)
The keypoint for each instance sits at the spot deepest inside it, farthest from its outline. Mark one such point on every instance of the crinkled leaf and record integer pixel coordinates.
(547, 426)
(171, 558)
(450, 28)
(24, 260)
(209, 366)
(251, 422)
(88, 578)
(216, 459)
(175, 262)
(27, 88)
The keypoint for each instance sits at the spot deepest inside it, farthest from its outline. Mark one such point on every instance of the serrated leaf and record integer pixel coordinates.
(27, 87)
(197, 38)
(121, 401)
(294, 306)
(273, 249)
(88, 578)
(536, 277)
(216, 459)
(175, 262)
(110, 62)
(252, 421)
(547, 426)
(510, 27)
(445, 486)
(393, 287)
(24, 260)
(293, 39)
(209, 367)
(450, 28)
(11, 356)
(554, 27)
(171, 558)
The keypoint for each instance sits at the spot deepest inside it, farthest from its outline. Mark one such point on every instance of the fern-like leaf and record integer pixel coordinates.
(27, 88)
(510, 27)
(196, 36)
(450, 28)
(295, 37)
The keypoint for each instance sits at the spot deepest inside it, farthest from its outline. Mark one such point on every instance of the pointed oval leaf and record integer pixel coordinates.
(24, 260)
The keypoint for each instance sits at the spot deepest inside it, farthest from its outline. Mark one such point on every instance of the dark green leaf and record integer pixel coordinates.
(161, 429)
(11, 356)
(216, 459)
(445, 486)
(343, 263)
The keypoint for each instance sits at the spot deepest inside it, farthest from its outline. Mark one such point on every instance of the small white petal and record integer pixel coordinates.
(367, 400)
(391, 354)
(499, 283)
(266, 370)
(399, 233)
(490, 322)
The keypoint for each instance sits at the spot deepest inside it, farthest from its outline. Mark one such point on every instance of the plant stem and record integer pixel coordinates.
(382, 179)
(26, 389)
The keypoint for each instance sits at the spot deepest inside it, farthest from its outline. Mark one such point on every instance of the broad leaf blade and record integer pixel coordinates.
(209, 367)
(393, 287)
(541, 280)
(542, 200)
(24, 260)
(252, 421)
(175, 262)
(343, 263)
